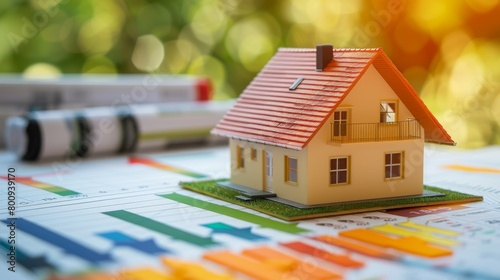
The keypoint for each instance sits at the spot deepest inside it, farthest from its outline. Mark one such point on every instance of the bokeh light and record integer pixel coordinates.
(148, 53)
(447, 49)
(42, 71)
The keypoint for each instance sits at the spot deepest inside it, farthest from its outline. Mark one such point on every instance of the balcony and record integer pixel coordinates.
(374, 132)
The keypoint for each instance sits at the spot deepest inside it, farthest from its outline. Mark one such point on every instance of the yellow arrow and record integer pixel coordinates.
(467, 168)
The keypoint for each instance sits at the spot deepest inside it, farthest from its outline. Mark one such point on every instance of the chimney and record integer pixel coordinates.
(324, 55)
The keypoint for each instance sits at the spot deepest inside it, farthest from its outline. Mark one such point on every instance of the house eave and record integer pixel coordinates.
(441, 142)
(258, 141)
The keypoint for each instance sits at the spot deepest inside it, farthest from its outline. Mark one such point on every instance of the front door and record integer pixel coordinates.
(268, 172)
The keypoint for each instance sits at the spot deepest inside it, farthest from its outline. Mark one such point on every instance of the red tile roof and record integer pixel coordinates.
(268, 112)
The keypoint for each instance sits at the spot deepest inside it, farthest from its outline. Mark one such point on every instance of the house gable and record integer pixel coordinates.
(365, 168)
(363, 102)
(433, 130)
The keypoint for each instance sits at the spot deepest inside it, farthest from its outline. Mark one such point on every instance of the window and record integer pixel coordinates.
(393, 165)
(340, 123)
(387, 112)
(253, 154)
(291, 170)
(240, 159)
(339, 170)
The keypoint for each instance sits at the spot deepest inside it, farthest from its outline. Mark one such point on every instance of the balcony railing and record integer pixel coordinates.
(375, 132)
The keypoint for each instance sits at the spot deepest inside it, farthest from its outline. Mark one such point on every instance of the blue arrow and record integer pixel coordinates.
(244, 233)
(68, 245)
(147, 246)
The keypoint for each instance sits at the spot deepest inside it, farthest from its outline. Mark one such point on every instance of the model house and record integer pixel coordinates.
(328, 125)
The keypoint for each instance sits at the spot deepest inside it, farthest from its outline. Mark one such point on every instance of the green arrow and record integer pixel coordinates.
(240, 215)
(161, 228)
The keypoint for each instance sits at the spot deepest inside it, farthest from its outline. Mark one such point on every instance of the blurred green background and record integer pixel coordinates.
(449, 50)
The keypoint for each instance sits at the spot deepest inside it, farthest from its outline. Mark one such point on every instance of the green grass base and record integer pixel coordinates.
(291, 213)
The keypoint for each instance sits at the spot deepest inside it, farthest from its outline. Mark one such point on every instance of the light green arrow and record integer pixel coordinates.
(237, 214)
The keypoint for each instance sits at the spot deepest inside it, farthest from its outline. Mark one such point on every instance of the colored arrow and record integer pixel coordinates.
(356, 247)
(244, 265)
(30, 263)
(429, 229)
(412, 245)
(162, 166)
(243, 233)
(424, 235)
(265, 263)
(193, 271)
(145, 273)
(339, 259)
(28, 181)
(296, 265)
(153, 225)
(237, 214)
(475, 169)
(68, 245)
(122, 240)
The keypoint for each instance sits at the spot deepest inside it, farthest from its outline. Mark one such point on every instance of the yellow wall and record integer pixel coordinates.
(252, 175)
(367, 171)
(365, 97)
(366, 159)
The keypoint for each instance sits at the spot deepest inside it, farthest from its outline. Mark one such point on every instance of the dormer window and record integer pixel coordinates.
(388, 110)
